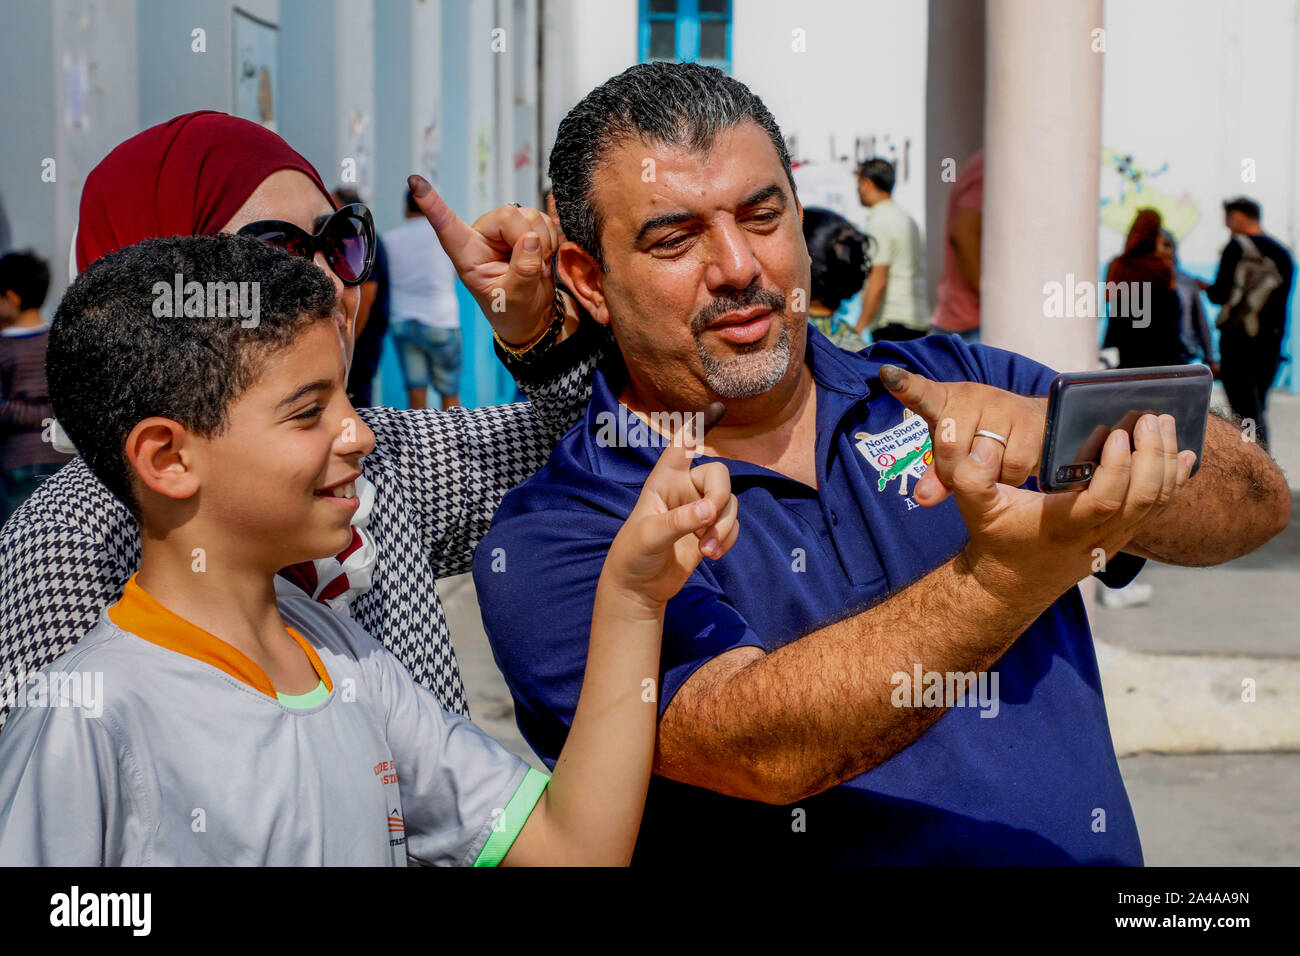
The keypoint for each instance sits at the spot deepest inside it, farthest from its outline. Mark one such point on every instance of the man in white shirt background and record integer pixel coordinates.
(894, 305)
(425, 318)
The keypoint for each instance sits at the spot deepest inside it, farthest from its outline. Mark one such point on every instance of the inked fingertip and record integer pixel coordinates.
(713, 414)
(892, 376)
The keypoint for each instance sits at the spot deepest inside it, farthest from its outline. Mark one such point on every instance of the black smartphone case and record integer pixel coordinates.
(1084, 407)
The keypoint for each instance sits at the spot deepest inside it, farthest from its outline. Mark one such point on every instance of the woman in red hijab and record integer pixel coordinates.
(1143, 315)
(434, 480)
(198, 175)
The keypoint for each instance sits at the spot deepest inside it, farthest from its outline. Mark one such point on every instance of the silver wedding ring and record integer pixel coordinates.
(994, 435)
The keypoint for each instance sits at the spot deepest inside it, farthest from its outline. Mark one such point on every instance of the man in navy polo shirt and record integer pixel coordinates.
(893, 663)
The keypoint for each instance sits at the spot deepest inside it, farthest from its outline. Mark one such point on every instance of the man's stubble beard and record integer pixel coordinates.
(756, 369)
(751, 373)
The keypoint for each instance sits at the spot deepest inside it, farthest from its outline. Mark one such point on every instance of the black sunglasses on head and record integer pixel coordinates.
(346, 240)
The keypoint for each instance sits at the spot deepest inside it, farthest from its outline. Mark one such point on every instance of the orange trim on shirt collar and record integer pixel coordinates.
(317, 664)
(142, 615)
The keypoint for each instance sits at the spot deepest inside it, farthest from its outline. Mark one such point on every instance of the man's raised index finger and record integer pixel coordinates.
(915, 391)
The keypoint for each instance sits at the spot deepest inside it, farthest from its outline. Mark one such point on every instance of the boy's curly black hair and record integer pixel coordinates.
(112, 362)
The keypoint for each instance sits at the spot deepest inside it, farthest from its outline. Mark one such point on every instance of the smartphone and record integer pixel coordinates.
(1084, 407)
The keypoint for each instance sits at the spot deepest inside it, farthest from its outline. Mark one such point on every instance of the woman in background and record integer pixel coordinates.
(1145, 328)
(839, 269)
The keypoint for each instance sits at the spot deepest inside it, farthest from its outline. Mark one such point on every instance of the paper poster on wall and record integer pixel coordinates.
(832, 186)
(254, 46)
(1127, 186)
(358, 147)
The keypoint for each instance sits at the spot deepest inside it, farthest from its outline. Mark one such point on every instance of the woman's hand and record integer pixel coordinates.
(504, 259)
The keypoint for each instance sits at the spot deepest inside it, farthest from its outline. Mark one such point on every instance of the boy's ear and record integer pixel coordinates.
(576, 268)
(157, 451)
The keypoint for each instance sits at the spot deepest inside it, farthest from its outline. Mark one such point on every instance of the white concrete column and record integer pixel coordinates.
(1042, 140)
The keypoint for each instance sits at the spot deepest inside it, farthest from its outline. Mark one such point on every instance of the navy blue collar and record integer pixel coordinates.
(843, 380)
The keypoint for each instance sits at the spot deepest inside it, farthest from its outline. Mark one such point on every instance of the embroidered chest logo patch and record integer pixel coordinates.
(898, 452)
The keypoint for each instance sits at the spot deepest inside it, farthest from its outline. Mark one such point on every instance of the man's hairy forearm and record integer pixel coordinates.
(1235, 503)
(819, 711)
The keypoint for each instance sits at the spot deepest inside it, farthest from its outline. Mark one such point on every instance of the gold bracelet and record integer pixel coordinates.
(539, 344)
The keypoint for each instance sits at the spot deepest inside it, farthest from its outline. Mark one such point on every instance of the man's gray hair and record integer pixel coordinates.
(675, 104)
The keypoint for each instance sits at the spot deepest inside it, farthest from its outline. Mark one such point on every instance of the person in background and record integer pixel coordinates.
(26, 459)
(893, 306)
(372, 317)
(1249, 362)
(422, 306)
(958, 309)
(839, 267)
(1143, 311)
(1193, 330)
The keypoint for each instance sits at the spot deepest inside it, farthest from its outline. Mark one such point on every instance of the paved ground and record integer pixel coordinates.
(1216, 809)
(1245, 607)
(1173, 675)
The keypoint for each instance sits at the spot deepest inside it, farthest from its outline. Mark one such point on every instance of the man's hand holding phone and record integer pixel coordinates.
(1024, 544)
(1031, 546)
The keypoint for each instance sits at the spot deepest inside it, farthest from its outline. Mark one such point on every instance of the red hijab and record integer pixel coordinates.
(185, 177)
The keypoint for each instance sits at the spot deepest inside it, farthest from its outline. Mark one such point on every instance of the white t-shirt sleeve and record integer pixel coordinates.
(60, 790)
(456, 781)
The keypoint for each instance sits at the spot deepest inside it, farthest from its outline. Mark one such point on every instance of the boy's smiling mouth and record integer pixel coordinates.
(343, 492)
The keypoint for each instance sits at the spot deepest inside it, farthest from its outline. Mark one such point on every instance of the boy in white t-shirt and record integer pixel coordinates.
(203, 721)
